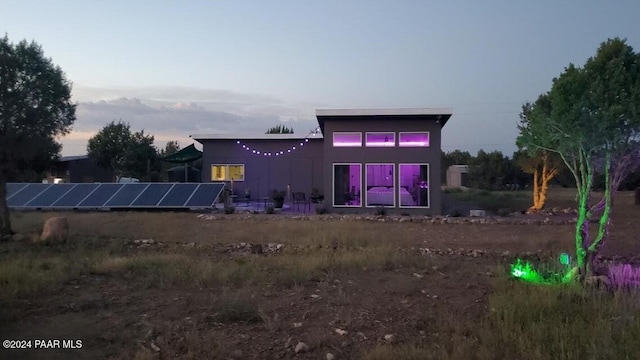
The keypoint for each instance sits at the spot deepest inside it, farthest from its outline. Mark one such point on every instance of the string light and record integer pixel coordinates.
(281, 152)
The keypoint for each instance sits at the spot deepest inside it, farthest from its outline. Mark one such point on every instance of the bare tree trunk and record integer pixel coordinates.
(536, 191)
(5, 218)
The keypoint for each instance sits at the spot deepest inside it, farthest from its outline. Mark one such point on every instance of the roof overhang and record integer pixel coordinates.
(199, 137)
(441, 115)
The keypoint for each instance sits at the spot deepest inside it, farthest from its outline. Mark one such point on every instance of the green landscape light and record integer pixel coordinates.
(565, 259)
(524, 270)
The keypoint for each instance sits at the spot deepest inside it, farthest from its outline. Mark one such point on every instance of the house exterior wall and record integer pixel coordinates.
(301, 169)
(80, 171)
(394, 155)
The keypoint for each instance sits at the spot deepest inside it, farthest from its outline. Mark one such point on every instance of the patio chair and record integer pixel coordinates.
(301, 198)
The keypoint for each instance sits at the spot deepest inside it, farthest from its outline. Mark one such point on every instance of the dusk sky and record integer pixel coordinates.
(175, 68)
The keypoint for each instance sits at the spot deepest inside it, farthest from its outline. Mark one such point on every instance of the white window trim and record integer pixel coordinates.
(227, 171)
(333, 186)
(393, 166)
(414, 132)
(428, 188)
(359, 133)
(380, 132)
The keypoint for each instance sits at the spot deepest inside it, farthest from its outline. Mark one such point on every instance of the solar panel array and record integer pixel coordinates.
(112, 195)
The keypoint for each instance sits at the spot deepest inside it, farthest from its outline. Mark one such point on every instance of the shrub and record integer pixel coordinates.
(381, 211)
(269, 209)
(455, 213)
(321, 209)
(229, 209)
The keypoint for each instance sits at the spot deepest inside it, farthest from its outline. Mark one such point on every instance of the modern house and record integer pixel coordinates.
(358, 159)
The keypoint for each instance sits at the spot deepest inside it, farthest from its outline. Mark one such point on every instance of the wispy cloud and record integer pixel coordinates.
(174, 113)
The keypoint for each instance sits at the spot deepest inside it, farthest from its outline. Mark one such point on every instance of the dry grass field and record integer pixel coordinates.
(355, 289)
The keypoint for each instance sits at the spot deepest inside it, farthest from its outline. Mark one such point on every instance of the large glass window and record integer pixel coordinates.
(347, 182)
(347, 139)
(414, 139)
(380, 181)
(380, 139)
(227, 172)
(414, 185)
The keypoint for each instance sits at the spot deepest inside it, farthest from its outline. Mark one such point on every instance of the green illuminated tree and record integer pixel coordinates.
(594, 126)
(35, 108)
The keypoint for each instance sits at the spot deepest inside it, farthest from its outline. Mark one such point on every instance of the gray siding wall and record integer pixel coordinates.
(302, 169)
(395, 155)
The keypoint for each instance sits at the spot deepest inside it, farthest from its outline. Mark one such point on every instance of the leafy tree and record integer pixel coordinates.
(35, 108)
(116, 148)
(170, 148)
(280, 129)
(594, 126)
(543, 164)
(488, 170)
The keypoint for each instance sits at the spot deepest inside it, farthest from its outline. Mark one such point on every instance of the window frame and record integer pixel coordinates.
(227, 172)
(393, 134)
(333, 185)
(333, 138)
(428, 186)
(414, 132)
(366, 183)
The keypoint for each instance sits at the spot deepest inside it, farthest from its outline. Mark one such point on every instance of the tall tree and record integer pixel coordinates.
(116, 148)
(280, 129)
(543, 164)
(35, 108)
(488, 170)
(594, 127)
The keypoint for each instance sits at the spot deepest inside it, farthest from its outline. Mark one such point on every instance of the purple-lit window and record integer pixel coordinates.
(414, 185)
(381, 185)
(347, 182)
(414, 139)
(380, 139)
(347, 139)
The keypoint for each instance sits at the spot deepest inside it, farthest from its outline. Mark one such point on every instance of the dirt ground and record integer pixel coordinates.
(119, 317)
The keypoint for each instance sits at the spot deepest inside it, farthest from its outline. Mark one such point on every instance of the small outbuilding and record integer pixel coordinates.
(458, 176)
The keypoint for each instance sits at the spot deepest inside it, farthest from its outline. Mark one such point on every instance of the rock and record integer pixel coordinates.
(341, 332)
(154, 347)
(257, 249)
(301, 348)
(288, 343)
(390, 338)
(236, 354)
(17, 237)
(330, 356)
(56, 230)
(505, 253)
(297, 325)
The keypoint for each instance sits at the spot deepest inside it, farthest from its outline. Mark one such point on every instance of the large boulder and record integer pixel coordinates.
(56, 230)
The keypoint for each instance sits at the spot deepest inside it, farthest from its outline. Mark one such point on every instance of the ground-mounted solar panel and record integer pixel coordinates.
(100, 196)
(13, 188)
(78, 193)
(26, 194)
(50, 195)
(112, 195)
(205, 195)
(178, 195)
(152, 195)
(127, 194)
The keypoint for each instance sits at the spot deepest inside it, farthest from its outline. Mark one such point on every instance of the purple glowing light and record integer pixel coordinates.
(347, 139)
(380, 144)
(414, 139)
